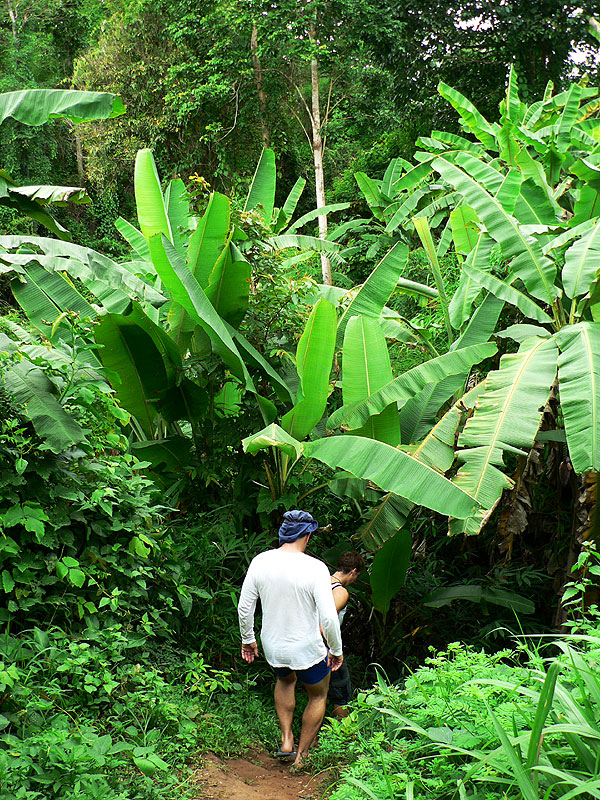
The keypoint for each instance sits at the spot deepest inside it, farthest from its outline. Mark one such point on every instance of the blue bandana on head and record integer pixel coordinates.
(296, 524)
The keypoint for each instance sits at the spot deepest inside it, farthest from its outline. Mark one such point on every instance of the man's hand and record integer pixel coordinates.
(250, 652)
(335, 662)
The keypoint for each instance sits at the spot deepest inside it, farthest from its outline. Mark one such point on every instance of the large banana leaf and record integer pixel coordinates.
(177, 206)
(405, 386)
(45, 295)
(392, 470)
(366, 367)
(210, 238)
(419, 413)
(141, 363)
(383, 521)
(292, 199)
(317, 212)
(134, 238)
(149, 200)
(106, 279)
(376, 290)
(506, 418)
(579, 382)
(527, 260)
(506, 292)
(460, 307)
(472, 119)
(229, 285)
(185, 290)
(582, 262)
(31, 389)
(313, 364)
(389, 570)
(37, 106)
(262, 188)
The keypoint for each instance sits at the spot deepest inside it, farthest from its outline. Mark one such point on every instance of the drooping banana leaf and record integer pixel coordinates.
(405, 386)
(365, 368)
(149, 200)
(579, 386)
(506, 292)
(527, 260)
(31, 389)
(37, 106)
(262, 188)
(392, 470)
(388, 570)
(317, 212)
(384, 520)
(506, 418)
(313, 364)
(105, 278)
(302, 242)
(472, 119)
(142, 363)
(376, 290)
(45, 295)
(273, 436)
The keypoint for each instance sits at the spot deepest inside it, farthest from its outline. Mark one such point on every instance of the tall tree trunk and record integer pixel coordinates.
(12, 13)
(79, 157)
(262, 97)
(317, 143)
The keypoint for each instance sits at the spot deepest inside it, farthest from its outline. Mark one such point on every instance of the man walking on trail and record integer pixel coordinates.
(295, 594)
(349, 566)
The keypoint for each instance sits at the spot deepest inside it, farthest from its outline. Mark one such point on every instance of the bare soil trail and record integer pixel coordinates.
(255, 776)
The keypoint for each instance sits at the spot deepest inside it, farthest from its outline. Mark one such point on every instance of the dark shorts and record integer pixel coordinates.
(340, 688)
(311, 675)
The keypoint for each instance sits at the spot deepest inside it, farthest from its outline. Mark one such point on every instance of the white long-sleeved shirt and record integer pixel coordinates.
(295, 594)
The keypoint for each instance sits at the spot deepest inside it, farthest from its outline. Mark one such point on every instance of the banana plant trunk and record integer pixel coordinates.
(317, 142)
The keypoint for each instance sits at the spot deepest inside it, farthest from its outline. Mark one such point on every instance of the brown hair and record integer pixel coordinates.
(350, 560)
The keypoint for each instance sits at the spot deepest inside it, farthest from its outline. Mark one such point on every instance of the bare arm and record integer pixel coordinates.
(246, 609)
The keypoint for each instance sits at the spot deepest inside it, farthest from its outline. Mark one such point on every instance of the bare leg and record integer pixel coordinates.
(285, 703)
(313, 716)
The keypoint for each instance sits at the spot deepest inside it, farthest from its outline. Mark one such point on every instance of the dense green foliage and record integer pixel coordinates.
(174, 375)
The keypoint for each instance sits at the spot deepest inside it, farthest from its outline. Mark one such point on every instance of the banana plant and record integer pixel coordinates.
(526, 200)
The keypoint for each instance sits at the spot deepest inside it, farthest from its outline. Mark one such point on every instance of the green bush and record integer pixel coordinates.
(106, 715)
(468, 724)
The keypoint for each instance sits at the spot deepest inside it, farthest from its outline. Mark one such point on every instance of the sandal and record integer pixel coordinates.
(285, 755)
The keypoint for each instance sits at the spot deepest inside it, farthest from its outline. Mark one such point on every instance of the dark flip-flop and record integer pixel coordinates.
(284, 755)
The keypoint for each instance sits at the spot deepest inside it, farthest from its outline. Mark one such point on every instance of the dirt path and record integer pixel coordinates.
(256, 776)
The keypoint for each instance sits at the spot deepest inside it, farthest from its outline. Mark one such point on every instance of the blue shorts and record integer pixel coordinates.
(311, 675)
